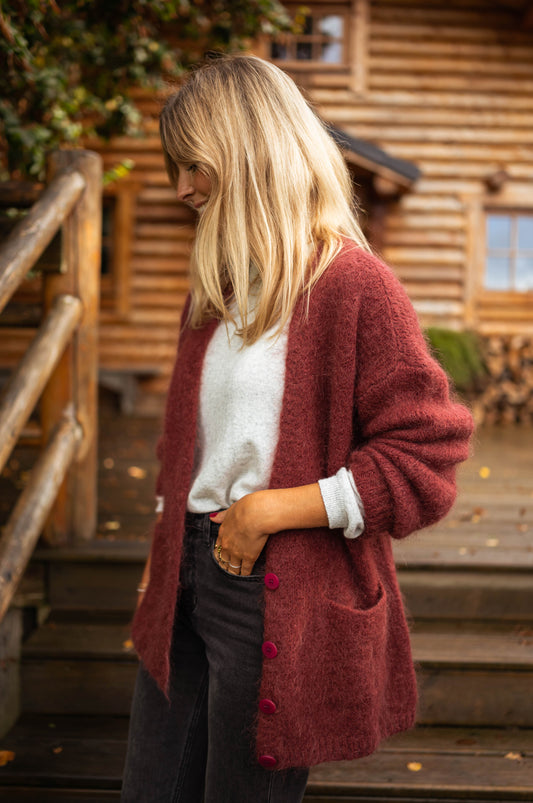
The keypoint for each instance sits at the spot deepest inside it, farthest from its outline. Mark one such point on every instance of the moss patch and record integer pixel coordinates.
(461, 356)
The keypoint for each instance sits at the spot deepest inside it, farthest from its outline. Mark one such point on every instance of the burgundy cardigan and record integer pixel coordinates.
(360, 391)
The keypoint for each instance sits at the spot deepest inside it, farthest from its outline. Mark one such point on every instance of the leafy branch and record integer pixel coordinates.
(67, 68)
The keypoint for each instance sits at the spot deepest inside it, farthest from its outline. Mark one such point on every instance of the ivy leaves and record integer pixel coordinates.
(66, 69)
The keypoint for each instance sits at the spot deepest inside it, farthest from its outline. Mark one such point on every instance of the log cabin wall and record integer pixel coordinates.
(140, 316)
(446, 84)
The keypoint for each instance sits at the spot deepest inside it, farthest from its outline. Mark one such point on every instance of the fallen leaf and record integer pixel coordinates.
(112, 525)
(136, 472)
(492, 542)
(484, 472)
(145, 510)
(414, 766)
(463, 550)
(514, 756)
(128, 644)
(5, 756)
(522, 528)
(475, 518)
(109, 462)
(57, 750)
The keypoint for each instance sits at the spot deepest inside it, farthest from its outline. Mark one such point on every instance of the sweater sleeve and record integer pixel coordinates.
(343, 504)
(412, 434)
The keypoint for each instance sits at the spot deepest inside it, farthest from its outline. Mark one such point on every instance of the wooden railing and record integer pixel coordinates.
(60, 368)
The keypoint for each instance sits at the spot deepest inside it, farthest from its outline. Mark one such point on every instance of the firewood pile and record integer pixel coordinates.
(507, 397)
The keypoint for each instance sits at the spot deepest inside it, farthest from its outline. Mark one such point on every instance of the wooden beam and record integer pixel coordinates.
(23, 528)
(76, 376)
(358, 45)
(527, 19)
(32, 374)
(28, 240)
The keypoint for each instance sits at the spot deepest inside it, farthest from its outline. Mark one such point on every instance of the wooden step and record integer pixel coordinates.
(78, 668)
(95, 576)
(474, 673)
(493, 594)
(81, 759)
(470, 673)
(103, 576)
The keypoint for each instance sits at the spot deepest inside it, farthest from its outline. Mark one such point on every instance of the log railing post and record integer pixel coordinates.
(76, 376)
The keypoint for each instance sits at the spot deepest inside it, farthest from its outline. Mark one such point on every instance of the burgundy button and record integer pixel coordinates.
(271, 581)
(267, 706)
(269, 649)
(268, 762)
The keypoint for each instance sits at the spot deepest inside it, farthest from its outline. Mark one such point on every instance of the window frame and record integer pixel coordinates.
(115, 286)
(492, 311)
(512, 253)
(318, 10)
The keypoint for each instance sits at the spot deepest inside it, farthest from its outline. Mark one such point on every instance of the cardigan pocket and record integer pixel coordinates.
(357, 641)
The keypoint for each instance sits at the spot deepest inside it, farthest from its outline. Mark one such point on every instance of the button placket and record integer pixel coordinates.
(269, 649)
(267, 761)
(267, 706)
(271, 581)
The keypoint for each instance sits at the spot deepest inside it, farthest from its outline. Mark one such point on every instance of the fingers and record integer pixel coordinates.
(246, 568)
(232, 566)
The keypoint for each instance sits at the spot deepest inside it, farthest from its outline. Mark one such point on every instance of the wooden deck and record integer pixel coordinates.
(491, 523)
(467, 584)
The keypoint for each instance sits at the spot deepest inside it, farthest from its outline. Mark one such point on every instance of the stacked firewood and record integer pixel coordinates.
(507, 397)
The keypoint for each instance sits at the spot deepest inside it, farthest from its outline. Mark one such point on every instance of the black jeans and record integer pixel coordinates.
(198, 748)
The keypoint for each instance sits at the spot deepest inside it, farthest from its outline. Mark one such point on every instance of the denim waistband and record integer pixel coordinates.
(195, 518)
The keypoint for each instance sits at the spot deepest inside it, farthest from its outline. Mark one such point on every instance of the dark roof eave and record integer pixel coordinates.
(374, 159)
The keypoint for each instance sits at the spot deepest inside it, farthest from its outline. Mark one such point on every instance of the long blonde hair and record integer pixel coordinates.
(281, 190)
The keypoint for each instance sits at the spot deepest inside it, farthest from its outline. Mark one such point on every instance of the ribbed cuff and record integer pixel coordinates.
(343, 504)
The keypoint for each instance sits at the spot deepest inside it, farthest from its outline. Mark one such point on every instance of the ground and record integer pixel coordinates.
(491, 522)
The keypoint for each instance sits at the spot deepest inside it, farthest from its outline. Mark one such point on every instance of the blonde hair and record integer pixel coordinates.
(281, 197)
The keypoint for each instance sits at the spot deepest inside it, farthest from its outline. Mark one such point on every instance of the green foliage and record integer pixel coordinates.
(460, 355)
(67, 68)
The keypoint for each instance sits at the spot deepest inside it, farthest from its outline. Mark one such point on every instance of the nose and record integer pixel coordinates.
(184, 187)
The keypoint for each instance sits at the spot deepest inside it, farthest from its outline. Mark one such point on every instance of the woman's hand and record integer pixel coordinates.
(242, 534)
(247, 524)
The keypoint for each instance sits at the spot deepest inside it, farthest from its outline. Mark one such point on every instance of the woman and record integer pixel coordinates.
(306, 424)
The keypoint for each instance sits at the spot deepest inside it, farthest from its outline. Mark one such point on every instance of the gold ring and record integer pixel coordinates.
(219, 550)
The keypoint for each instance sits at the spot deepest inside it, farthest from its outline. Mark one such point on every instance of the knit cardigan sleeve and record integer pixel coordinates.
(411, 432)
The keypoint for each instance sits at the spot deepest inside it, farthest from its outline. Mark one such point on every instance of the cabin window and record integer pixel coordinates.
(117, 234)
(108, 208)
(509, 252)
(321, 37)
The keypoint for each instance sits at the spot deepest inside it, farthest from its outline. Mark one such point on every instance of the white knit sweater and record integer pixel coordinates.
(240, 404)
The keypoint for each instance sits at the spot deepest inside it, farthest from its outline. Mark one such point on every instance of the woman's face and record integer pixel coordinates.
(193, 186)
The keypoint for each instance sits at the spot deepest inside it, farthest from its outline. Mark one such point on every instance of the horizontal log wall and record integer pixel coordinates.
(162, 231)
(449, 87)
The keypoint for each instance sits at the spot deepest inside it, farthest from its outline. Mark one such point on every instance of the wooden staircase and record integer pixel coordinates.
(472, 640)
